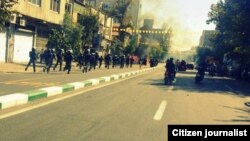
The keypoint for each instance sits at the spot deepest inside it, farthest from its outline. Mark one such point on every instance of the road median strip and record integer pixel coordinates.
(15, 99)
(36, 94)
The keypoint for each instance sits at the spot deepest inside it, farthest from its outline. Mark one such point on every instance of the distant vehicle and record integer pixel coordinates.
(169, 78)
(190, 66)
(198, 78)
(182, 67)
(200, 74)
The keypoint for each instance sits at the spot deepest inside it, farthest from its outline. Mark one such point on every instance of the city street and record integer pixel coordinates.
(137, 108)
(164, 70)
(26, 81)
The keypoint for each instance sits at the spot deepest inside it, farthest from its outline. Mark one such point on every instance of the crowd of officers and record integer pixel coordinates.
(86, 61)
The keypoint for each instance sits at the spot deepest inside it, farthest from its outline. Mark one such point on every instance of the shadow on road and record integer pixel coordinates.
(211, 85)
(219, 85)
(192, 72)
(244, 111)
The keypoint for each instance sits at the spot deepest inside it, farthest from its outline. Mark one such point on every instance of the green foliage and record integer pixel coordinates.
(56, 39)
(203, 53)
(119, 12)
(67, 37)
(5, 11)
(116, 47)
(157, 53)
(75, 39)
(90, 26)
(130, 49)
(232, 22)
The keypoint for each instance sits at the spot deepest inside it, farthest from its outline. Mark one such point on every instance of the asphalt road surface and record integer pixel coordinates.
(135, 109)
(21, 82)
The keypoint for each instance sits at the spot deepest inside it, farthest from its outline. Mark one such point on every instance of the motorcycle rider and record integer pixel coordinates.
(171, 67)
(212, 69)
(201, 69)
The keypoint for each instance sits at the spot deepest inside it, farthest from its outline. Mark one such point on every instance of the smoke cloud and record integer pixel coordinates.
(187, 18)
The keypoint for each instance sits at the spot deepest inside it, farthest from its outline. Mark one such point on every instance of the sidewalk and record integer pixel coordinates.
(15, 67)
(20, 67)
(20, 98)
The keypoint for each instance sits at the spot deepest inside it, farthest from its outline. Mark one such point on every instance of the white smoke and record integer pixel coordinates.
(183, 16)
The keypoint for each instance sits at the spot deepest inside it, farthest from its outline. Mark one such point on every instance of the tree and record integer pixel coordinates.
(67, 37)
(232, 20)
(119, 12)
(56, 39)
(203, 53)
(165, 41)
(130, 49)
(155, 51)
(5, 11)
(75, 40)
(116, 47)
(90, 26)
(72, 34)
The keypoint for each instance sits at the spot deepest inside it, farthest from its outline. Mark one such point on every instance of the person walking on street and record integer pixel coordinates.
(41, 55)
(92, 61)
(107, 61)
(59, 59)
(86, 61)
(127, 61)
(131, 62)
(114, 61)
(53, 57)
(80, 60)
(32, 55)
(68, 60)
(100, 61)
(96, 59)
(47, 57)
(122, 61)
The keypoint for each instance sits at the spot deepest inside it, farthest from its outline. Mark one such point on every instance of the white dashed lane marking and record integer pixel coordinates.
(159, 113)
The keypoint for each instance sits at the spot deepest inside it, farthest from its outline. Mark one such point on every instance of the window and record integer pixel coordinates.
(79, 17)
(36, 2)
(55, 5)
(68, 7)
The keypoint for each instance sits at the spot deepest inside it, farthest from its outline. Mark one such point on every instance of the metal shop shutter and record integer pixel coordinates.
(3, 41)
(23, 42)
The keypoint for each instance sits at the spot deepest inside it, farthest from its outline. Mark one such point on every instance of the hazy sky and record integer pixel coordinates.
(186, 17)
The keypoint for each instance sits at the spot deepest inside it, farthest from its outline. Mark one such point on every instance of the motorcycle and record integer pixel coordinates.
(199, 76)
(212, 71)
(169, 78)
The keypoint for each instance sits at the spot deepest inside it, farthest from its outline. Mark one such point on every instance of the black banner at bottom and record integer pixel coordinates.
(208, 132)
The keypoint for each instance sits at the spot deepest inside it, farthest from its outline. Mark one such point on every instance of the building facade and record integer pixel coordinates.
(205, 39)
(133, 11)
(29, 28)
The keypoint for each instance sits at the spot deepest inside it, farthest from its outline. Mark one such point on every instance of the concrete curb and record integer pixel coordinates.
(15, 99)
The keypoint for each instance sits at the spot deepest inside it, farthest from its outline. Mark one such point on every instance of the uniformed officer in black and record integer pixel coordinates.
(32, 55)
(59, 59)
(47, 57)
(68, 60)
